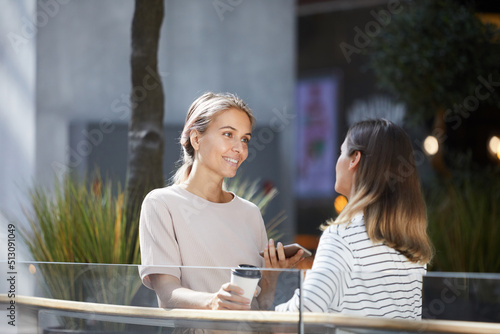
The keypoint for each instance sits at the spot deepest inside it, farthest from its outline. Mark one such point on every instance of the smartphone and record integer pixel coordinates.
(291, 249)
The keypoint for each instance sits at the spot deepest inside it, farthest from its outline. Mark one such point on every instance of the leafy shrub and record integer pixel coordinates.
(464, 223)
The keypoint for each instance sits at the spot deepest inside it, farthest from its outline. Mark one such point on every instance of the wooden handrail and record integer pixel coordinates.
(260, 320)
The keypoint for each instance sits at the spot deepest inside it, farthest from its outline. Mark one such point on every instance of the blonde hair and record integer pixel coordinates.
(387, 189)
(201, 112)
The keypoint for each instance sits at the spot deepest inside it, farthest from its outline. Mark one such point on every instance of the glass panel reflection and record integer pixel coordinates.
(56, 297)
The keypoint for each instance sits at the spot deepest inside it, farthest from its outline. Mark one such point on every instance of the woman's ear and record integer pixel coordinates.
(194, 137)
(354, 163)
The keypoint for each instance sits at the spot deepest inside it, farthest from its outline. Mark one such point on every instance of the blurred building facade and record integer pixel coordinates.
(66, 86)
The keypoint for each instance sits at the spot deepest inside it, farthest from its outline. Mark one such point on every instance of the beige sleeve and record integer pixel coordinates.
(159, 249)
(263, 235)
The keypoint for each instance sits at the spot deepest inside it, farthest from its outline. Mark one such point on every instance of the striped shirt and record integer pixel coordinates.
(353, 275)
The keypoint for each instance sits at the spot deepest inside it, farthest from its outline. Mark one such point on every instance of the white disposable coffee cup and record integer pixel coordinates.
(246, 277)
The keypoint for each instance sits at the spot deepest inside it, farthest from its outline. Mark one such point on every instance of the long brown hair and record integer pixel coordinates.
(387, 189)
(201, 112)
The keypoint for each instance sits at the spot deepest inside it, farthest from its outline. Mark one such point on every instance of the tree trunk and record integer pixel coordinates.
(440, 132)
(145, 145)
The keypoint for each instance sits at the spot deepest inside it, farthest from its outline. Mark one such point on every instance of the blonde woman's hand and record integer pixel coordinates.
(274, 256)
(229, 297)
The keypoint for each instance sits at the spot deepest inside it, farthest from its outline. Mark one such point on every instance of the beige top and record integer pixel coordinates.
(178, 228)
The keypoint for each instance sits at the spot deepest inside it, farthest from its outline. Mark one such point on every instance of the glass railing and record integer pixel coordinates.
(53, 298)
(461, 296)
(99, 297)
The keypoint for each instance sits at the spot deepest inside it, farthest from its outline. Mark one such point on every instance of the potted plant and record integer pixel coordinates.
(74, 229)
(464, 218)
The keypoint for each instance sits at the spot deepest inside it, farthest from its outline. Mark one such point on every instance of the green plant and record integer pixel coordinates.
(431, 54)
(82, 224)
(464, 223)
(253, 192)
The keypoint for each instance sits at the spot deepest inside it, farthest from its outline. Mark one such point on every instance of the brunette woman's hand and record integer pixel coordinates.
(229, 297)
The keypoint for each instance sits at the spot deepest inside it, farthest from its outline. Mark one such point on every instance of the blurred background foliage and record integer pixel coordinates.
(464, 221)
(431, 54)
(254, 192)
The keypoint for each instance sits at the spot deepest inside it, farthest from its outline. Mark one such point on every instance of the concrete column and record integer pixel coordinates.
(17, 107)
(17, 145)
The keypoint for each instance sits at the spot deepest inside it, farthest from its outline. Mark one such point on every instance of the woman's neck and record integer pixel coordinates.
(209, 188)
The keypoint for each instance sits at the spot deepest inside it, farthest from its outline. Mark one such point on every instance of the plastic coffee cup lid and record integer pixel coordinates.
(247, 270)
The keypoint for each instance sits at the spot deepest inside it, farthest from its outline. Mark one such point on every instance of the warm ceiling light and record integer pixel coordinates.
(340, 203)
(493, 145)
(431, 145)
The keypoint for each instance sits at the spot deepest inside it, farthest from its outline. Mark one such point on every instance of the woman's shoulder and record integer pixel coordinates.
(241, 203)
(163, 194)
(355, 225)
(349, 232)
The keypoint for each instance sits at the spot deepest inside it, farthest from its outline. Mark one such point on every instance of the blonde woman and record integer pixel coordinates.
(195, 222)
(370, 260)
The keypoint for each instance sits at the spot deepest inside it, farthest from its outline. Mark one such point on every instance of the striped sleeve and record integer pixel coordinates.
(324, 284)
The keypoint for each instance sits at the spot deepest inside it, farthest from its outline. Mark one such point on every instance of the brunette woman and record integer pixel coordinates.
(370, 260)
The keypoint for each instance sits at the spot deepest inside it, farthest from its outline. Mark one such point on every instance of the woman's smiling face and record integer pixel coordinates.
(224, 145)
